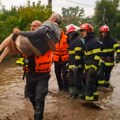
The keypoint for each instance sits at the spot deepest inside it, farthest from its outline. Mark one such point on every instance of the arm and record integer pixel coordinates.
(40, 31)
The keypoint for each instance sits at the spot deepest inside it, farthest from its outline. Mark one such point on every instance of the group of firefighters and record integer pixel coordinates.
(88, 60)
(82, 62)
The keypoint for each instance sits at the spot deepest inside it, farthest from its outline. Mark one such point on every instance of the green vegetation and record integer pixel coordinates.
(21, 17)
(106, 12)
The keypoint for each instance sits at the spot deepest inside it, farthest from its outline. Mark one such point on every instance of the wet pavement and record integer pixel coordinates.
(13, 105)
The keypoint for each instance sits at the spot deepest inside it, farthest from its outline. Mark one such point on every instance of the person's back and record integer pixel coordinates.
(60, 59)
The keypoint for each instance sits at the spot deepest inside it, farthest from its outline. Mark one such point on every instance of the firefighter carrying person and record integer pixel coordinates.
(75, 63)
(92, 60)
(108, 46)
(60, 59)
(37, 73)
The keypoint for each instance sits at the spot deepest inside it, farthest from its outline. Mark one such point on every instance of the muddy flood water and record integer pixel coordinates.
(13, 105)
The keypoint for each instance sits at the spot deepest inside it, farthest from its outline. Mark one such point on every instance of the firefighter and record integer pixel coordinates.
(37, 72)
(92, 61)
(75, 63)
(60, 59)
(109, 46)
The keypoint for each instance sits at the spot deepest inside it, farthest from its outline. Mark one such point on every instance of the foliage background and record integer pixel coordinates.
(106, 12)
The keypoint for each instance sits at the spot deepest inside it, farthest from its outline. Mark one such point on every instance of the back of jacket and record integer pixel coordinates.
(109, 46)
(61, 53)
(76, 53)
(41, 64)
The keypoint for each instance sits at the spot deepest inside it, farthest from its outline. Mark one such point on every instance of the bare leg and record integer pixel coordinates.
(6, 42)
(11, 48)
(5, 52)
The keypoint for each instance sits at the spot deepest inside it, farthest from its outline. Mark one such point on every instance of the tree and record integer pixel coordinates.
(21, 17)
(106, 12)
(8, 20)
(72, 15)
(31, 12)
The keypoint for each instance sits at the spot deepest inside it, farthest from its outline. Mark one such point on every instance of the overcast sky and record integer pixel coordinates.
(87, 5)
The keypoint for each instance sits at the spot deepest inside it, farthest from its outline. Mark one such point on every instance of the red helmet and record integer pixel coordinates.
(87, 27)
(104, 28)
(71, 29)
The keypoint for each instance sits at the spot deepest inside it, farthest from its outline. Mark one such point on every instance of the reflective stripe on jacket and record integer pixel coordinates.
(61, 49)
(92, 53)
(76, 53)
(109, 46)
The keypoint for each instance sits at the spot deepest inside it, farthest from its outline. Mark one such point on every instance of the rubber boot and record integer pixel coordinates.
(73, 92)
(39, 111)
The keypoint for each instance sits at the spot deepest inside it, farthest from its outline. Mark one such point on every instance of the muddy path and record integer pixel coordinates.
(13, 105)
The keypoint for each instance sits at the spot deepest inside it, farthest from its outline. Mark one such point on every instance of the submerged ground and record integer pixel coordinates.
(13, 105)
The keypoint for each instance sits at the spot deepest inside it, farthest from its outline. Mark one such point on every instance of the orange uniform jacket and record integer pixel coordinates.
(42, 63)
(61, 49)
